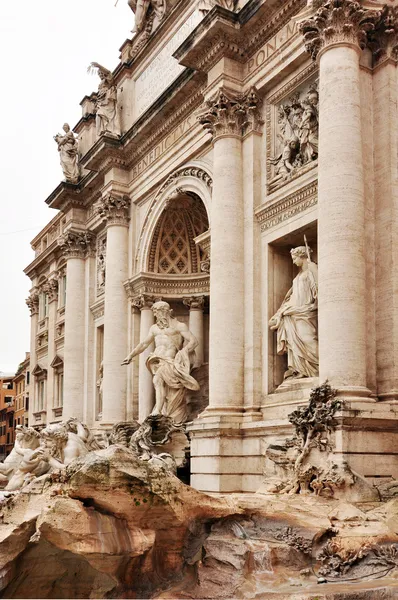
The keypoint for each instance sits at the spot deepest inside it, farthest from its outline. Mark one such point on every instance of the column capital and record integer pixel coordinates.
(194, 302)
(33, 303)
(143, 301)
(76, 244)
(115, 209)
(338, 22)
(231, 115)
(50, 287)
(383, 40)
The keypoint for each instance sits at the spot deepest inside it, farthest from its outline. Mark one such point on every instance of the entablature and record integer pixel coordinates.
(168, 286)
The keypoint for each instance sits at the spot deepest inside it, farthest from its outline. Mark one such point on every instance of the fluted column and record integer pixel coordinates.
(33, 305)
(146, 391)
(196, 305)
(116, 210)
(335, 36)
(227, 117)
(75, 246)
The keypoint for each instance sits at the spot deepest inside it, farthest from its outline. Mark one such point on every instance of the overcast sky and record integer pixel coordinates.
(45, 49)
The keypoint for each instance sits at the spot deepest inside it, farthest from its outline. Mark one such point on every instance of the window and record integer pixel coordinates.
(19, 420)
(8, 400)
(41, 395)
(62, 292)
(28, 377)
(27, 403)
(43, 305)
(59, 395)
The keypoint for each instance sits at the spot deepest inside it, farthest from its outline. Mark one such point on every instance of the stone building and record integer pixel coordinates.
(7, 409)
(227, 133)
(22, 386)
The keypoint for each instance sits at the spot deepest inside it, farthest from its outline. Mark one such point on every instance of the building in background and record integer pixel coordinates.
(7, 408)
(21, 385)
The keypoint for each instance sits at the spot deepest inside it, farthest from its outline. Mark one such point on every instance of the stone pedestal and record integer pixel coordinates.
(115, 209)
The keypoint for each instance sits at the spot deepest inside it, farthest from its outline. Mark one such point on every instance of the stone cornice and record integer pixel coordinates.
(115, 209)
(235, 35)
(68, 195)
(336, 22)
(76, 244)
(167, 286)
(107, 152)
(275, 212)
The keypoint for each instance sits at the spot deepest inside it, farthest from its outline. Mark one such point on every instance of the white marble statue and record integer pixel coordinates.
(296, 321)
(107, 119)
(170, 363)
(53, 448)
(26, 439)
(69, 154)
(206, 5)
(142, 9)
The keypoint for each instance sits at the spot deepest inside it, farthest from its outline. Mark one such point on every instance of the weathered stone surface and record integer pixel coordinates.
(111, 525)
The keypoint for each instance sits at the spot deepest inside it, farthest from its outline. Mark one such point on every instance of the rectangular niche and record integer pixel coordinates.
(280, 274)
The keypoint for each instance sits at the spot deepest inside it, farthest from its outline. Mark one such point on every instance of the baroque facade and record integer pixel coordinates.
(228, 135)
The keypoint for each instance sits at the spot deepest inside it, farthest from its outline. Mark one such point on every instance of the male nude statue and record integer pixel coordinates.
(170, 363)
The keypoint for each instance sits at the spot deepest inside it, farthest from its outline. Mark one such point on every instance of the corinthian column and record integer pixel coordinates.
(33, 304)
(227, 116)
(146, 391)
(196, 305)
(116, 210)
(335, 36)
(75, 246)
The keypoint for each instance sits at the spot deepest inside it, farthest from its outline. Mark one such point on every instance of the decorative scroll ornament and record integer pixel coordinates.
(144, 301)
(76, 244)
(33, 303)
(338, 21)
(228, 114)
(115, 209)
(194, 302)
(51, 289)
(383, 40)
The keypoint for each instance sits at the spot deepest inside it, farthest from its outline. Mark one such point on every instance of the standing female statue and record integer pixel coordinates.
(68, 154)
(296, 321)
(107, 119)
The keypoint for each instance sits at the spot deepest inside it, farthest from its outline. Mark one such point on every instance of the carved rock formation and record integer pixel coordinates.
(111, 525)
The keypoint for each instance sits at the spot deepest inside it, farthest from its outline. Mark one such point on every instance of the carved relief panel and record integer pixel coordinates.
(292, 132)
(101, 268)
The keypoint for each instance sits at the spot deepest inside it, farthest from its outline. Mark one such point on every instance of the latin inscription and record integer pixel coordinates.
(163, 70)
(266, 52)
(166, 143)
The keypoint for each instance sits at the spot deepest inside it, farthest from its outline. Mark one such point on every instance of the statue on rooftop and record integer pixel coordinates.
(107, 119)
(296, 321)
(145, 11)
(170, 363)
(206, 5)
(69, 154)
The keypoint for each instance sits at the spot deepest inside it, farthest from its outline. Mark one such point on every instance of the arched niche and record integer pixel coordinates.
(193, 180)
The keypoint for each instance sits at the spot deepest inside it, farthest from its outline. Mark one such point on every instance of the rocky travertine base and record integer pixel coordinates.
(112, 526)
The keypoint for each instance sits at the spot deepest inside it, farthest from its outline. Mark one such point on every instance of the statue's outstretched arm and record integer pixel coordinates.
(140, 348)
